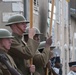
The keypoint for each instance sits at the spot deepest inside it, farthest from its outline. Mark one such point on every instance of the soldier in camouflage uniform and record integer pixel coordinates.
(19, 50)
(40, 59)
(7, 65)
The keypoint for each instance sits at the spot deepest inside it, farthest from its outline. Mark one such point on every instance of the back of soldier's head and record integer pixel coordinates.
(36, 30)
(37, 33)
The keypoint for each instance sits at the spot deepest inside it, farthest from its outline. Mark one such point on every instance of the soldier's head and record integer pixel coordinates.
(36, 36)
(42, 46)
(17, 23)
(5, 39)
(72, 66)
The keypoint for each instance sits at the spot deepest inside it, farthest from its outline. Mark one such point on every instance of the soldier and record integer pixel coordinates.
(7, 65)
(72, 66)
(40, 59)
(48, 65)
(19, 50)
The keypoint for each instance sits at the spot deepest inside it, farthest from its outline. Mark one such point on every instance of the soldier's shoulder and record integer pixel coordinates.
(14, 41)
(11, 61)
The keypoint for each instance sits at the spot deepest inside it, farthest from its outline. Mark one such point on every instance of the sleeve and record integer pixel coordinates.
(1, 72)
(56, 70)
(41, 59)
(69, 73)
(21, 50)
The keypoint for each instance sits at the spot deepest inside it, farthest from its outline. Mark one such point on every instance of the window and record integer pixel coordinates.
(36, 6)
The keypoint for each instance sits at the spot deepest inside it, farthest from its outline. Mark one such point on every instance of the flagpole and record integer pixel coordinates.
(51, 19)
(50, 30)
(31, 13)
(31, 24)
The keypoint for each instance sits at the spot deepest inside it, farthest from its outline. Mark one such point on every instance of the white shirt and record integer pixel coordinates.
(71, 73)
(56, 70)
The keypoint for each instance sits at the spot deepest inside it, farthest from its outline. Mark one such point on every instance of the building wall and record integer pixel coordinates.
(7, 10)
(62, 33)
(73, 38)
(4, 7)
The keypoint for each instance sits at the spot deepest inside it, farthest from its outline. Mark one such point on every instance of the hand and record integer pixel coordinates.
(32, 68)
(48, 64)
(49, 41)
(31, 33)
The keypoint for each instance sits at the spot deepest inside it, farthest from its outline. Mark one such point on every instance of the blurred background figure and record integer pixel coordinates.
(72, 67)
(56, 65)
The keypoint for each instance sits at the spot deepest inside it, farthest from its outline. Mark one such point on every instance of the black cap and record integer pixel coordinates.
(72, 63)
(56, 59)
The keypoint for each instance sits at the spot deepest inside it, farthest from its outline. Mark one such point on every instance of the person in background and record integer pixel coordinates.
(48, 65)
(7, 65)
(20, 51)
(72, 66)
(39, 59)
(56, 65)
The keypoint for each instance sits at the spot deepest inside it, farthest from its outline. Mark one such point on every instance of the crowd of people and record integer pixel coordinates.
(22, 53)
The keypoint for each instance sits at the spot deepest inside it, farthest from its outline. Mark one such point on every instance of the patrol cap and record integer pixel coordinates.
(71, 64)
(4, 33)
(36, 30)
(16, 19)
(42, 45)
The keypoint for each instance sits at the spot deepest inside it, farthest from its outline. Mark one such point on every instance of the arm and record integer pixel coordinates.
(41, 59)
(21, 50)
(4, 60)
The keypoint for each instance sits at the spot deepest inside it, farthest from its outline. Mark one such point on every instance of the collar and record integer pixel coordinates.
(3, 50)
(17, 35)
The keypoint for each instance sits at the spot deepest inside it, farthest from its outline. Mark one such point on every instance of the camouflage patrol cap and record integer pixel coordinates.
(36, 30)
(4, 33)
(42, 45)
(16, 19)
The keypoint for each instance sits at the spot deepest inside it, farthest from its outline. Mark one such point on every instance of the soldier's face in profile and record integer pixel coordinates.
(22, 26)
(6, 43)
(37, 37)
